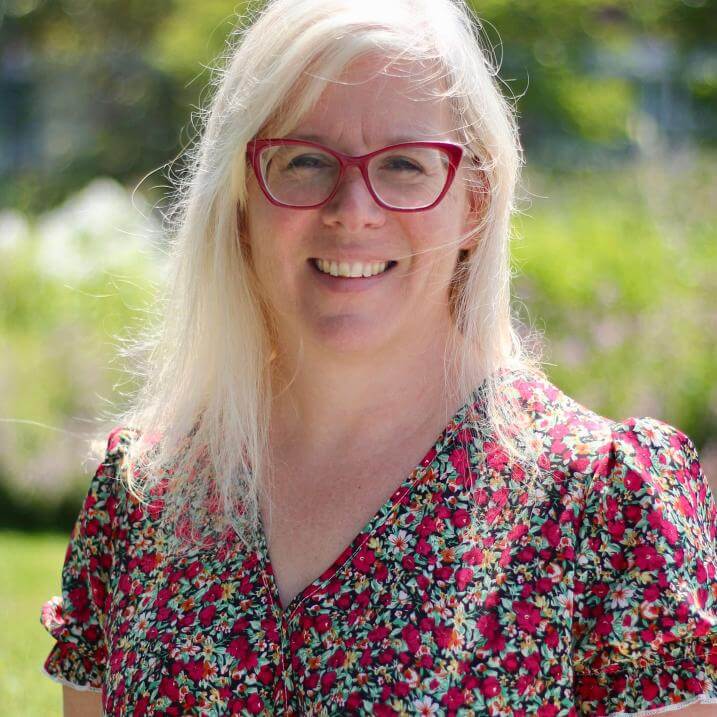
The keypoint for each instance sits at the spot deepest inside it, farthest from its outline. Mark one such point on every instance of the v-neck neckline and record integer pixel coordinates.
(384, 512)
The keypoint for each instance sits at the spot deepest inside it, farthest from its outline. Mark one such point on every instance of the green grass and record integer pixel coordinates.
(31, 567)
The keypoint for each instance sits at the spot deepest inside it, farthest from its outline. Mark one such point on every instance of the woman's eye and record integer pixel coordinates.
(402, 164)
(306, 161)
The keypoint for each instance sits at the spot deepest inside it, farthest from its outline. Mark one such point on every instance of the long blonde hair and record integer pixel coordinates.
(203, 363)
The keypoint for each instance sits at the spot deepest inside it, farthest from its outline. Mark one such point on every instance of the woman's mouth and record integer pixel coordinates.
(348, 277)
(352, 270)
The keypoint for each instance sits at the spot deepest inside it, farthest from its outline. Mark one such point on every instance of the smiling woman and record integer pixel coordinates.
(332, 312)
(346, 486)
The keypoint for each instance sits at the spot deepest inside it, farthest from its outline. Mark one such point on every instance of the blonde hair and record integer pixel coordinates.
(202, 408)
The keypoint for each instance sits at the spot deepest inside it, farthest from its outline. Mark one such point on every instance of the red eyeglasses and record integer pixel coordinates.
(406, 177)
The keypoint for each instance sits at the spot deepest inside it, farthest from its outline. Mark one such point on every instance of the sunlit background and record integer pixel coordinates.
(615, 247)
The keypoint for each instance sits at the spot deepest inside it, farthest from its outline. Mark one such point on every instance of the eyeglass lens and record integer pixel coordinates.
(403, 177)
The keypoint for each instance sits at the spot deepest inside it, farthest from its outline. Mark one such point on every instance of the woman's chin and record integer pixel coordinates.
(351, 334)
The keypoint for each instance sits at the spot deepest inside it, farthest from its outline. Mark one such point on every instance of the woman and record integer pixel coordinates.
(346, 488)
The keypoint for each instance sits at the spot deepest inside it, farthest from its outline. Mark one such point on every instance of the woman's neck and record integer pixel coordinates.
(329, 404)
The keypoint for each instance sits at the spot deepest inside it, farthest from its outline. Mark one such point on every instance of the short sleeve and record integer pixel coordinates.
(645, 591)
(76, 619)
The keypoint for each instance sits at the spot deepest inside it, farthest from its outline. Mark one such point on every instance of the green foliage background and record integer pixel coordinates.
(615, 248)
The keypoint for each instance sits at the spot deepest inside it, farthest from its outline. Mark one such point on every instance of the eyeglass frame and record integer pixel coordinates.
(454, 152)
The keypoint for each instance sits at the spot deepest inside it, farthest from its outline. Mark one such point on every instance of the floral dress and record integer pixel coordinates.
(594, 595)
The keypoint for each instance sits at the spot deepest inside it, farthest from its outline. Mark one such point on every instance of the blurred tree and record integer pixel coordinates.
(87, 101)
(92, 87)
(98, 87)
(584, 68)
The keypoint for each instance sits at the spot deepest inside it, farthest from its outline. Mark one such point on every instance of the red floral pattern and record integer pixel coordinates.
(595, 594)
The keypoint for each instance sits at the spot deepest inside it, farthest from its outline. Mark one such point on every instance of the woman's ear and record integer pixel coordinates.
(478, 199)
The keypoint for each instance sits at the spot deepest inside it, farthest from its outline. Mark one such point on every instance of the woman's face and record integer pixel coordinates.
(361, 315)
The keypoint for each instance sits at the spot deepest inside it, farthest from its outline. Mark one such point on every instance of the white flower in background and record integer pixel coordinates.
(103, 227)
(14, 229)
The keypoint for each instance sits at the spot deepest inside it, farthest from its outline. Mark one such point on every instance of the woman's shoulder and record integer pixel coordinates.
(117, 451)
(635, 467)
(113, 471)
(577, 437)
(547, 405)
(109, 499)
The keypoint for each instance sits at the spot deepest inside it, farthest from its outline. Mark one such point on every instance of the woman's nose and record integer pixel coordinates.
(353, 206)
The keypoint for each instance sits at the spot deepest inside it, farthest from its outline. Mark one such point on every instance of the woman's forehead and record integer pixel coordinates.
(385, 80)
(387, 107)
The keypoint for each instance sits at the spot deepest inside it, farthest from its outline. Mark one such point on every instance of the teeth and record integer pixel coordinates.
(355, 269)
